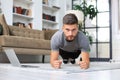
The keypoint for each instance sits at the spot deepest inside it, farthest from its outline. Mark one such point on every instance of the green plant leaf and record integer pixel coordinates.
(90, 10)
(87, 9)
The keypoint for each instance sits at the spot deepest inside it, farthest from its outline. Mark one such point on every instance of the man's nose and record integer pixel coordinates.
(70, 33)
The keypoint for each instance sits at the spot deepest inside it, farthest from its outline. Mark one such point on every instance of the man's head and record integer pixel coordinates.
(70, 26)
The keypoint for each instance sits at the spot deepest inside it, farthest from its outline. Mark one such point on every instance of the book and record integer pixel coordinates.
(45, 2)
(18, 10)
(29, 12)
(24, 11)
(14, 9)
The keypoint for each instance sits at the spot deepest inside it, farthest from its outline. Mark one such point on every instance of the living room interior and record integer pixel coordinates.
(32, 23)
(103, 28)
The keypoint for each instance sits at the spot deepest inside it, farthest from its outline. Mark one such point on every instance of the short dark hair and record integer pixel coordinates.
(70, 19)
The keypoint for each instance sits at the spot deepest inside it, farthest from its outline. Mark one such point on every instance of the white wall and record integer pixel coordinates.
(37, 7)
(115, 31)
(6, 9)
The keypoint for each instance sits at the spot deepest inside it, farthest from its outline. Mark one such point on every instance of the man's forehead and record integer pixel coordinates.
(70, 26)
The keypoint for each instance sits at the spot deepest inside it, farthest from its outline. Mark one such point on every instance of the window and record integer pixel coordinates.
(99, 28)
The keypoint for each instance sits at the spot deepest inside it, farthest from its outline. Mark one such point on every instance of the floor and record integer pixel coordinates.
(99, 71)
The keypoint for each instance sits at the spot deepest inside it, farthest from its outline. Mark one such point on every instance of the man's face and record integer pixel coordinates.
(70, 31)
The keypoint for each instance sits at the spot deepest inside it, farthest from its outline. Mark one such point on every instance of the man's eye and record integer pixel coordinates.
(73, 30)
(67, 30)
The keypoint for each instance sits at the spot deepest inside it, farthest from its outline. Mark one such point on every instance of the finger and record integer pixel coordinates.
(83, 65)
(57, 64)
(60, 61)
(80, 62)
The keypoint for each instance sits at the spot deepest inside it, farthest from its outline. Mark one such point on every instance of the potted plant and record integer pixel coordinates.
(88, 10)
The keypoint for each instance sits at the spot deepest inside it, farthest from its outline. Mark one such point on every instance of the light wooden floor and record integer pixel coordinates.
(97, 71)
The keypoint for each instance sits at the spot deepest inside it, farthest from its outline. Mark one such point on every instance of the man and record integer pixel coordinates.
(69, 43)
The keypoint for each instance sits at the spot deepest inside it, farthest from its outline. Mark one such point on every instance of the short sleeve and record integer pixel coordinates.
(56, 41)
(84, 43)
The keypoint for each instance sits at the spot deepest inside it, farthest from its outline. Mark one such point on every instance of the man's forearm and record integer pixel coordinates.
(54, 59)
(85, 60)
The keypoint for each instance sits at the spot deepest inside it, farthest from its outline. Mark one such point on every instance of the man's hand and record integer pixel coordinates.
(57, 64)
(83, 64)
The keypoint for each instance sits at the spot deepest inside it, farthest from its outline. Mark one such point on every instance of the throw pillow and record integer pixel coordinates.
(4, 24)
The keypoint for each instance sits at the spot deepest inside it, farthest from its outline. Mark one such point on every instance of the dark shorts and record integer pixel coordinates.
(69, 55)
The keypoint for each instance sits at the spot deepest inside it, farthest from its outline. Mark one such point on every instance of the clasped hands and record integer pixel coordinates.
(57, 64)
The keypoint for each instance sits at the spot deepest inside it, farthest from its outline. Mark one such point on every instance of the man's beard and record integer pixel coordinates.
(70, 39)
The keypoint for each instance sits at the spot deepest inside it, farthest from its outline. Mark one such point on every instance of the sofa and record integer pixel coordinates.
(24, 40)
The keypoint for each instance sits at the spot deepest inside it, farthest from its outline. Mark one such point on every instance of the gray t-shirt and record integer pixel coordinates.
(80, 42)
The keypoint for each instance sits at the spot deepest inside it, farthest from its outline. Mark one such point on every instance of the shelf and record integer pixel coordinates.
(48, 21)
(50, 14)
(53, 8)
(23, 16)
(25, 1)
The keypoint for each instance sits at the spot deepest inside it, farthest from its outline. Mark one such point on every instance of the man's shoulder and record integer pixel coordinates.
(58, 33)
(82, 37)
(57, 39)
(80, 34)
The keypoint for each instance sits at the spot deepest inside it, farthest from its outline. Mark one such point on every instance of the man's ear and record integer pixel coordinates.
(62, 27)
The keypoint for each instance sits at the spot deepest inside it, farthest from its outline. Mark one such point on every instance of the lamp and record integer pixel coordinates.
(79, 14)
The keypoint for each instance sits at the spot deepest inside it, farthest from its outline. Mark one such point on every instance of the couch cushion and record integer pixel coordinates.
(24, 32)
(30, 51)
(49, 34)
(4, 24)
(21, 42)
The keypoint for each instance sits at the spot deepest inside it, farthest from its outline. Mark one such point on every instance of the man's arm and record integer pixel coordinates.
(54, 59)
(84, 64)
